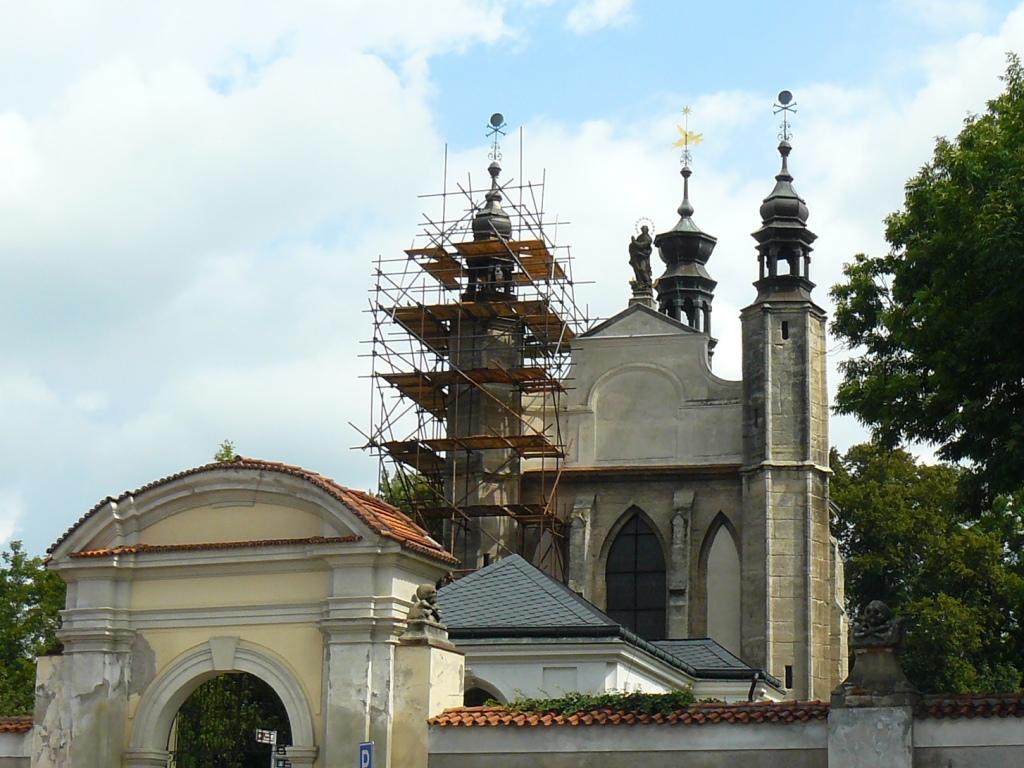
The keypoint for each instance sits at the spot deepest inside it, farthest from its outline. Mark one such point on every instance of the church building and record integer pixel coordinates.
(700, 506)
(682, 504)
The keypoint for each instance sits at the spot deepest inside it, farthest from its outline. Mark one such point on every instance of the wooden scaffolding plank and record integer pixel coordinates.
(422, 323)
(414, 454)
(438, 263)
(420, 387)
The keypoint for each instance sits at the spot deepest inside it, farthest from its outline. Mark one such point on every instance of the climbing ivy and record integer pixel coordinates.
(573, 703)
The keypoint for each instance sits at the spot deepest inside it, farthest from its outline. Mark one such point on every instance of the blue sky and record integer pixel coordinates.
(191, 195)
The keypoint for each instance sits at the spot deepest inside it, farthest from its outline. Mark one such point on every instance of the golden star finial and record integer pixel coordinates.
(686, 136)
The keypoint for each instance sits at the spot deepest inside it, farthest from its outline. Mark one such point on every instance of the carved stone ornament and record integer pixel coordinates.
(425, 606)
(876, 679)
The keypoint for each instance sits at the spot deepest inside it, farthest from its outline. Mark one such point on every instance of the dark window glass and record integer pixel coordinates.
(635, 579)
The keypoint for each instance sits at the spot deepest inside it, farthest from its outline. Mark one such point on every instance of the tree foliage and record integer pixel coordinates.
(631, 701)
(30, 600)
(216, 726)
(225, 452)
(411, 493)
(958, 578)
(938, 319)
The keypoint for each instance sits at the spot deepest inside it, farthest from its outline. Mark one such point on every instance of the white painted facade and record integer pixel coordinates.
(540, 668)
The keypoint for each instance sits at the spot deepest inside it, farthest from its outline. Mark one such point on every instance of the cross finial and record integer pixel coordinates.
(495, 128)
(786, 106)
(686, 138)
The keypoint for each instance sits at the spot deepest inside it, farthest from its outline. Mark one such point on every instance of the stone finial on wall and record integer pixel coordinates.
(424, 624)
(877, 678)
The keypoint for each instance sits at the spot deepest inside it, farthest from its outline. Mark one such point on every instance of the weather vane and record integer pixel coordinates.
(494, 130)
(686, 138)
(786, 106)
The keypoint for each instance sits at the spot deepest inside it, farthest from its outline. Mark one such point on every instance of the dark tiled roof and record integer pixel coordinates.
(510, 597)
(136, 549)
(780, 712)
(384, 519)
(986, 705)
(701, 653)
(20, 724)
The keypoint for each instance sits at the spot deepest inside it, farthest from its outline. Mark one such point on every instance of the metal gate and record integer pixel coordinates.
(216, 726)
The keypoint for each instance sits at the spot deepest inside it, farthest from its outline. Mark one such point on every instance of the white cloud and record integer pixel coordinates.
(591, 15)
(946, 14)
(11, 509)
(188, 215)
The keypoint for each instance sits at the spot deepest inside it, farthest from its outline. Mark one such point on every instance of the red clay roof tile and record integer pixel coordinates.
(18, 724)
(984, 705)
(381, 517)
(782, 712)
(136, 549)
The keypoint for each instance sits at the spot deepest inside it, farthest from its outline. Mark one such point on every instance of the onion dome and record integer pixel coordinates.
(685, 289)
(784, 241)
(491, 222)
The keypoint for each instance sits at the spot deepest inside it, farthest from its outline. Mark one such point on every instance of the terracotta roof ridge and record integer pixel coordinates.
(381, 517)
(142, 547)
(971, 705)
(16, 723)
(699, 713)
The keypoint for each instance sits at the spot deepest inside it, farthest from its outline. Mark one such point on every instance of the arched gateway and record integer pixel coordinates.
(246, 566)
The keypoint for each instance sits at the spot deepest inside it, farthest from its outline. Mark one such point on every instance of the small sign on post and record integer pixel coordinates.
(366, 754)
(266, 737)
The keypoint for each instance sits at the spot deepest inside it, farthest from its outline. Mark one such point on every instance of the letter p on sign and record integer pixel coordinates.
(366, 754)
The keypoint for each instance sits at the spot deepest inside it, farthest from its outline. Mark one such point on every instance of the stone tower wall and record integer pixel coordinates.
(788, 568)
(484, 476)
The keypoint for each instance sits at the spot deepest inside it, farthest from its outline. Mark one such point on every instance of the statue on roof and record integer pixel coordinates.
(425, 606)
(878, 628)
(640, 247)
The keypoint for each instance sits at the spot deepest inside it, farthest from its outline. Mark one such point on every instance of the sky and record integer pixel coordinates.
(192, 194)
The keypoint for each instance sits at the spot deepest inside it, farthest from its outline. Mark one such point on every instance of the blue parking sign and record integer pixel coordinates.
(366, 754)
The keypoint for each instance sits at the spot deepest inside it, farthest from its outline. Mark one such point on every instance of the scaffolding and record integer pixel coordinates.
(428, 307)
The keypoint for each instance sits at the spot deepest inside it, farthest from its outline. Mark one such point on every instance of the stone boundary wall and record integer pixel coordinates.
(15, 749)
(761, 745)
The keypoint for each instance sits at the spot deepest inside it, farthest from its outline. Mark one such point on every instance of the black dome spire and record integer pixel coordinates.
(784, 241)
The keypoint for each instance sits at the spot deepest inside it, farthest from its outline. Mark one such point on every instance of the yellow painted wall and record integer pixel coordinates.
(211, 591)
(241, 522)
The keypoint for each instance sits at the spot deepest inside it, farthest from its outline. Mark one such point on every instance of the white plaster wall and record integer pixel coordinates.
(797, 745)
(15, 749)
(643, 394)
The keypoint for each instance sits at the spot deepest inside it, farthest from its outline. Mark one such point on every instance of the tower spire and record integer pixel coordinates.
(784, 241)
(686, 290)
(489, 269)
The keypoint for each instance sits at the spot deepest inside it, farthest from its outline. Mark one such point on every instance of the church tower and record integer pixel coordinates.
(485, 338)
(686, 290)
(789, 606)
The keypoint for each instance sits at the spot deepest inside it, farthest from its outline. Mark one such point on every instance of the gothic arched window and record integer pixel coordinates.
(635, 577)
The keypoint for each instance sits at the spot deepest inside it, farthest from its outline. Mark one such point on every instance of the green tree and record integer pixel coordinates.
(216, 725)
(411, 492)
(956, 577)
(226, 452)
(938, 320)
(30, 600)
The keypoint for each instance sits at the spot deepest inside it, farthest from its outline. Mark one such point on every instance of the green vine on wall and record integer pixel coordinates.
(573, 703)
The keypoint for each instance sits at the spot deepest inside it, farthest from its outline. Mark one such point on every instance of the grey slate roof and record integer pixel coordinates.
(511, 594)
(701, 653)
(511, 598)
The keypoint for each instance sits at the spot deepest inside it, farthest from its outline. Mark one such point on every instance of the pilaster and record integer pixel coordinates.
(679, 565)
(579, 544)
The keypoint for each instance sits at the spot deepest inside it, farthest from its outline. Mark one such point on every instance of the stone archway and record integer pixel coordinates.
(151, 726)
